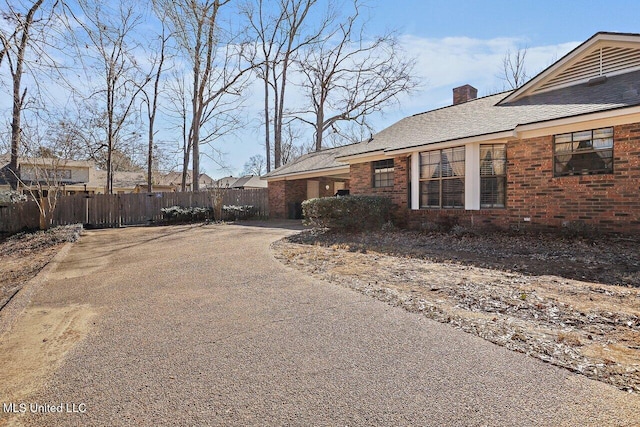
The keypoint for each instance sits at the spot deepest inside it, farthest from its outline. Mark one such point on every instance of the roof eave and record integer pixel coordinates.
(452, 142)
(308, 174)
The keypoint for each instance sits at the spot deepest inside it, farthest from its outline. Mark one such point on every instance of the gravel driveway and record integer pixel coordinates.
(200, 325)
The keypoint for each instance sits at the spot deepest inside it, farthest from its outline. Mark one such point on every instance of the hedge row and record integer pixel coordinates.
(351, 213)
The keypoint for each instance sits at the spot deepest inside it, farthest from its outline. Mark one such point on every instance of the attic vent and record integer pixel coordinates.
(600, 62)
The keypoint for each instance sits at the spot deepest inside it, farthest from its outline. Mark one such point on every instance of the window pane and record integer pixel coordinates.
(429, 164)
(383, 173)
(604, 143)
(603, 133)
(582, 136)
(566, 147)
(565, 137)
(430, 194)
(453, 193)
(591, 152)
(492, 192)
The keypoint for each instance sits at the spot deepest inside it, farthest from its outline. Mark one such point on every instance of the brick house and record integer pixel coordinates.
(561, 151)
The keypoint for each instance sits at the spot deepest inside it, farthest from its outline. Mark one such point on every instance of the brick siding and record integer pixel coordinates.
(283, 193)
(609, 203)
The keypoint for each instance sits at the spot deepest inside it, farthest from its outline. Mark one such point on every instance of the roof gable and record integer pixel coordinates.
(604, 54)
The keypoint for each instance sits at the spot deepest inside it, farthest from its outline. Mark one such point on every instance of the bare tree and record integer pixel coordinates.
(44, 169)
(179, 106)
(291, 149)
(255, 166)
(513, 70)
(350, 76)
(108, 40)
(151, 101)
(220, 65)
(281, 35)
(13, 49)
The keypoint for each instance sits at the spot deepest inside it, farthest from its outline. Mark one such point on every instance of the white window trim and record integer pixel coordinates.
(472, 173)
(471, 182)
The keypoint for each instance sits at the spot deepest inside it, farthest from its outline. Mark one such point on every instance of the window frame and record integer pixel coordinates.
(442, 178)
(582, 151)
(495, 176)
(383, 175)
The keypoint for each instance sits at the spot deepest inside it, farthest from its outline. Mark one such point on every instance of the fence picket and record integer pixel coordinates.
(114, 210)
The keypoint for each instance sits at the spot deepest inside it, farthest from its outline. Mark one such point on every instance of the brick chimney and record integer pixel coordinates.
(464, 93)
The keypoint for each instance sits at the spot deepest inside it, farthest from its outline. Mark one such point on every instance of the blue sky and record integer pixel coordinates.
(457, 42)
(454, 42)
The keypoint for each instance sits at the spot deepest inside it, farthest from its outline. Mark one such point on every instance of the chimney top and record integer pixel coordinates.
(464, 93)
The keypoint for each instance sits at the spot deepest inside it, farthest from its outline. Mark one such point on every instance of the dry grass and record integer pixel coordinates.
(529, 297)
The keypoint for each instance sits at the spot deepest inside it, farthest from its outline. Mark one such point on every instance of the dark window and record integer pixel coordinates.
(442, 178)
(383, 173)
(493, 175)
(587, 152)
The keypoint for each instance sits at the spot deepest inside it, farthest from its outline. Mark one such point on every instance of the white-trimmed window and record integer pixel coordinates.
(442, 178)
(493, 175)
(588, 152)
(383, 173)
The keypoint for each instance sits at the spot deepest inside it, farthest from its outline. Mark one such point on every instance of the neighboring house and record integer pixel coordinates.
(562, 150)
(174, 180)
(73, 177)
(249, 181)
(225, 182)
(38, 173)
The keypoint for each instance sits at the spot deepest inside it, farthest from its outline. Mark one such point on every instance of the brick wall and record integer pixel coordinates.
(282, 193)
(610, 203)
(361, 182)
(277, 207)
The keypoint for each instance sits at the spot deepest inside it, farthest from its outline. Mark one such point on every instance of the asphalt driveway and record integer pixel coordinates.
(200, 325)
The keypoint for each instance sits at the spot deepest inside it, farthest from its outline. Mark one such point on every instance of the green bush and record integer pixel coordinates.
(351, 213)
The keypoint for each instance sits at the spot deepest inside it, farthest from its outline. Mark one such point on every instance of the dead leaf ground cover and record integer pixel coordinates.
(23, 255)
(568, 301)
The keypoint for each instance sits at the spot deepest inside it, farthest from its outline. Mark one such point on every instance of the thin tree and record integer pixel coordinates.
(254, 166)
(151, 102)
(220, 64)
(13, 49)
(108, 41)
(350, 76)
(513, 70)
(281, 36)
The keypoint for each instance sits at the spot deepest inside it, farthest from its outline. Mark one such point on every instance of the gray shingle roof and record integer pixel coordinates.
(484, 116)
(318, 160)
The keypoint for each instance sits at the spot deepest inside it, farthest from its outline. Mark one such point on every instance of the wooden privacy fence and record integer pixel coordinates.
(115, 210)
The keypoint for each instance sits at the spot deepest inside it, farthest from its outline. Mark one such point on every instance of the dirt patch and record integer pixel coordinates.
(35, 347)
(555, 299)
(23, 255)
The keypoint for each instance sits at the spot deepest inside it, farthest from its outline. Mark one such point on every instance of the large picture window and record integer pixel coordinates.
(383, 173)
(583, 153)
(442, 178)
(493, 175)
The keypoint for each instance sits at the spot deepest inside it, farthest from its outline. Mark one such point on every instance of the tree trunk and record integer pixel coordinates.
(319, 129)
(150, 159)
(267, 141)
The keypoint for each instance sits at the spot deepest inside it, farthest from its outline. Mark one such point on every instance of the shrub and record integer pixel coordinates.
(351, 213)
(175, 214)
(238, 212)
(8, 197)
